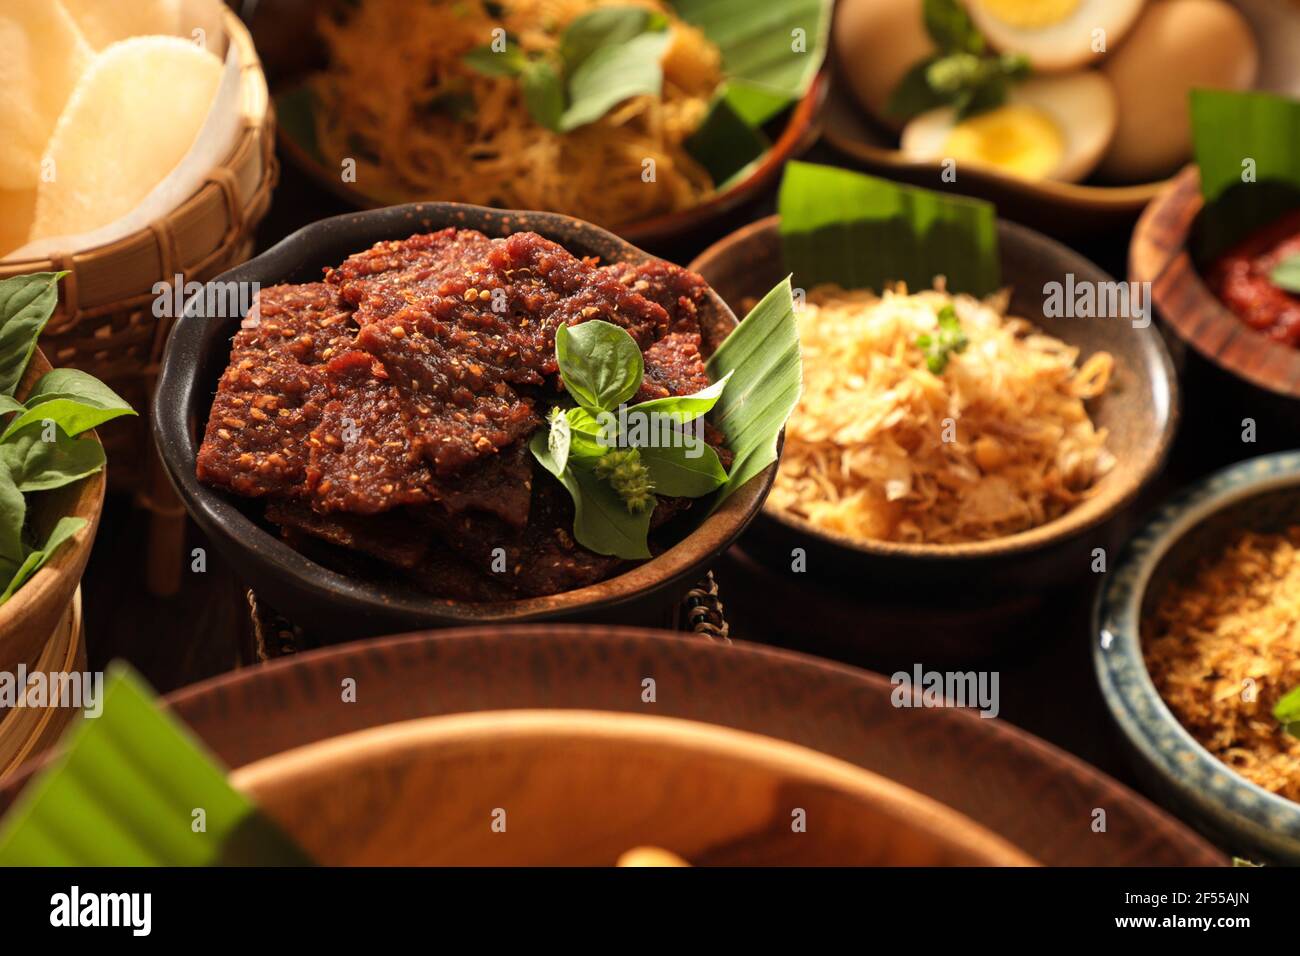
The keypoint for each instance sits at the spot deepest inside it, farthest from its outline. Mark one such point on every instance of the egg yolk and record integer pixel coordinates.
(1030, 14)
(1016, 139)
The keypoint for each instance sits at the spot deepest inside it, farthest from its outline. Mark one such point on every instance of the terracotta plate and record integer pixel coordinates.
(1037, 798)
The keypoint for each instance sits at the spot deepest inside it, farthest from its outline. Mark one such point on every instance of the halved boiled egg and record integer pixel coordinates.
(1054, 127)
(1054, 35)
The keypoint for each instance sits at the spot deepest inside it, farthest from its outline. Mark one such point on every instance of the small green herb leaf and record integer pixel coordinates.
(914, 95)
(13, 512)
(963, 75)
(510, 61)
(73, 400)
(947, 341)
(605, 57)
(1286, 274)
(1287, 712)
(613, 74)
(604, 27)
(600, 363)
(684, 408)
(588, 437)
(543, 92)
(601, 520)
(26, 304)
(951, 27)
(681, 472)
(65, 529)
(38, 465)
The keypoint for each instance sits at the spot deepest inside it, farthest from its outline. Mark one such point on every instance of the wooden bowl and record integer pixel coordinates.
(28, 732)
(1059, 209)
(1263, 495)
(330, 605)
(1161, 255)
(1140, 411)
(1035, 797)
(30, 618)
(579, 788)
(286, 37)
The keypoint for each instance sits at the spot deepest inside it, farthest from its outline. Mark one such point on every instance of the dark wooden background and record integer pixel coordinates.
(1047, 682)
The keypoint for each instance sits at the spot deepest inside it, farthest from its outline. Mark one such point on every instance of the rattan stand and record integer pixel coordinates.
(274, 636)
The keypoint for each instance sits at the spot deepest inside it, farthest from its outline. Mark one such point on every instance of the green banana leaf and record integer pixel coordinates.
(863, 232)
(1247, 146)
(135, 788)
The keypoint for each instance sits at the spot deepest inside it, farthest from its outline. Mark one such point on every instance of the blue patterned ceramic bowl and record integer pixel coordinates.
(1262, 494)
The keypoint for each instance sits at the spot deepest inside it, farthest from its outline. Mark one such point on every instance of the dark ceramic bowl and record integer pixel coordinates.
(330, 605)
(1139, 410)
(1262, 494)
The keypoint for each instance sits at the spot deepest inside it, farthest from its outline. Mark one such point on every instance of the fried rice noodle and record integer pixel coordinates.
(420, 124)
(880, 447)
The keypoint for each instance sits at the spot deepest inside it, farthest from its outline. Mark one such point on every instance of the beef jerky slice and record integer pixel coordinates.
(269, 398)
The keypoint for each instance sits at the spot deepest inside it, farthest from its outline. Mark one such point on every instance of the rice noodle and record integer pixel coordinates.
(396, 83)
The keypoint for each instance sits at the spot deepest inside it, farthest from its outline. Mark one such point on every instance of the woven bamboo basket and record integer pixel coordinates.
(105, 323)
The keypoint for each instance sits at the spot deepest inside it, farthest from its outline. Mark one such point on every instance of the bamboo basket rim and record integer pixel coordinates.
(255, 108)
(45, 730)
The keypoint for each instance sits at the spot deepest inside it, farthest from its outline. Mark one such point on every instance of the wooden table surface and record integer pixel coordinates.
(1047, 683)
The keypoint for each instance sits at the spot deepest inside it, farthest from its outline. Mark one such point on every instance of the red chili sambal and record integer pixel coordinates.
(1241, 278)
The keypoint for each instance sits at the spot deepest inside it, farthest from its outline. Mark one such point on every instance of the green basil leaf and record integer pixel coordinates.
(679, 472)
(913, 95)
(605, 27)
(613, 74)
(1286, 274)
(543, 92)
(73, 400)
(74, 384)
(951, 28)
(508, 62)
(10, 404)
(685, 408)
(13, 512)
(38, 465)
(26, 304)
(587, 435)
(550, 445)
(1287, 710)
(65, 529)
(600, 364)
(73, 416)
(601, 521)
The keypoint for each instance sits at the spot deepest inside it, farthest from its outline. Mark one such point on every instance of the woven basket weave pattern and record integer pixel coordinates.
(105, 323)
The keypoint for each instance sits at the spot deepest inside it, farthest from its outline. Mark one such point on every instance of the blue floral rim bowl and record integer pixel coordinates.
(1262, 494)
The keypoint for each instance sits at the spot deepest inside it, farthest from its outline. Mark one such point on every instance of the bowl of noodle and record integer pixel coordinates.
(956, 447)
(651, 118)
